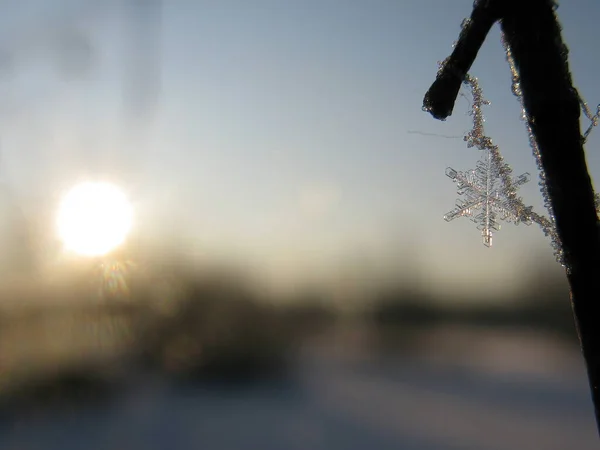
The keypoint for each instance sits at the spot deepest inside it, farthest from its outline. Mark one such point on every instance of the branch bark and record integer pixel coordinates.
(553, 106)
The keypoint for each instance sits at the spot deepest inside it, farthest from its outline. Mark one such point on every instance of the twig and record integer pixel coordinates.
(552, 104)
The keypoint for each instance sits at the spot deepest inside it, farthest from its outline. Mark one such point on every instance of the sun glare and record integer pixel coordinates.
(94, 218)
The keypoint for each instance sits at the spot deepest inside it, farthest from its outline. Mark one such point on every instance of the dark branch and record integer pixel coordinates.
(552, 103)
(442, 94)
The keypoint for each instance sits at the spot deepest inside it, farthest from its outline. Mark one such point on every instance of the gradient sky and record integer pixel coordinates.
(282, 131)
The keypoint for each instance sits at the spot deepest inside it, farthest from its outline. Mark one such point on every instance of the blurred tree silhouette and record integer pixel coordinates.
(541, 305)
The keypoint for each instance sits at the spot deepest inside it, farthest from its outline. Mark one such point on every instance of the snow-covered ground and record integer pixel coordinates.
(524, 397)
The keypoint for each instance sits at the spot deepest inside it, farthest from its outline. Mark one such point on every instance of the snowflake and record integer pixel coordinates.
(485, 198)
(489, 190)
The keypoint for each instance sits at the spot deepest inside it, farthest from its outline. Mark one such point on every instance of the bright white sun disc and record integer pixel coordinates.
(94, 218)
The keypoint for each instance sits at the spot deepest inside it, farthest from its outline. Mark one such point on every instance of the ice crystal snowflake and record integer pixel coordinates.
(489, 192)
(484, 198)
(489, 189)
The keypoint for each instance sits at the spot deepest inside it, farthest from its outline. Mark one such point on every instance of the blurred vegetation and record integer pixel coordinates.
(542, 306)
(72, 338)
(76, 337)
(218, 328)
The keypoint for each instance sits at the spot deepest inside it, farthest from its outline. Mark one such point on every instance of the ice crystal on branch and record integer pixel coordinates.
(488, 194)
(490, 188)
(547, 223)
(484, 198)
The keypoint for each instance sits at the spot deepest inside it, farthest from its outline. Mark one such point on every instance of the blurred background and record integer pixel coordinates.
(222, 227)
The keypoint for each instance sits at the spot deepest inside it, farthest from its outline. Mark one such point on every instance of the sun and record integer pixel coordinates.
(94, 218)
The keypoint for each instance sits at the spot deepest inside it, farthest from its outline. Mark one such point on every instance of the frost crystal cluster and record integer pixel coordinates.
(488, 193)
(484, 198)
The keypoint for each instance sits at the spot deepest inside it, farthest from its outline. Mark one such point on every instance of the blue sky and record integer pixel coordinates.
(283, 131)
